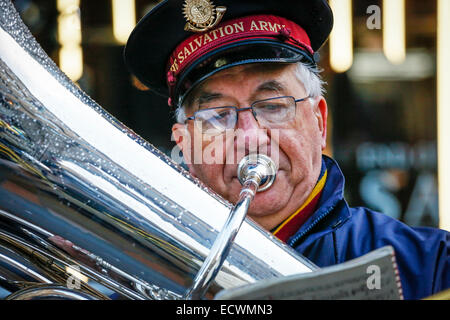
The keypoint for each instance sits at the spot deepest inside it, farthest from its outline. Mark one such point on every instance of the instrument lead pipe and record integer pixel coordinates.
(222, 245)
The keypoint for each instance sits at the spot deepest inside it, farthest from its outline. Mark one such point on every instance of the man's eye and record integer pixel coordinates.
(220, 115)
(273, 107)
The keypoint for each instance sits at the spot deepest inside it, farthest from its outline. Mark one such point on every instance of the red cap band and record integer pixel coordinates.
(250, 27)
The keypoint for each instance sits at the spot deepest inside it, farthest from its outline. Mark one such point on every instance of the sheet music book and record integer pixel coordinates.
(373, 276)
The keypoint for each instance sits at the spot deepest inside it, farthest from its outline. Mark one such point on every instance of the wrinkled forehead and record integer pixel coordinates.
(269, 74)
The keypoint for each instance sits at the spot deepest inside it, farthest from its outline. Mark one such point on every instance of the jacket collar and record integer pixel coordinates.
(332, 195)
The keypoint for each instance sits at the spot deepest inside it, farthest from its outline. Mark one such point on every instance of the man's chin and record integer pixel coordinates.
(266, 202)
(264, 205)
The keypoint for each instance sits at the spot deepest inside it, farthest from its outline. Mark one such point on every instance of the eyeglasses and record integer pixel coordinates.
(272, 113)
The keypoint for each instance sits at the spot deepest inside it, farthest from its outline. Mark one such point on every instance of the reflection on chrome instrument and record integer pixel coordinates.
(82, 197)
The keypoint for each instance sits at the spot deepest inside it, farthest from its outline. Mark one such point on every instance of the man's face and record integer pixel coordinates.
(296, 144)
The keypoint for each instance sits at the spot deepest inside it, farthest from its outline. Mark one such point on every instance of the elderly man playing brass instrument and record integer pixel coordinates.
(243, 79)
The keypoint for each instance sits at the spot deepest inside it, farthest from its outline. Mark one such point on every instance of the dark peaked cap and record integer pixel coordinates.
(159, 32)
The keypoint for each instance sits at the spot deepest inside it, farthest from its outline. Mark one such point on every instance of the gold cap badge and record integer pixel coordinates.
(201, 15)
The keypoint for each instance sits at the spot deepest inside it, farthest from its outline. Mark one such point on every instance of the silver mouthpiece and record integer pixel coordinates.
(259, 167)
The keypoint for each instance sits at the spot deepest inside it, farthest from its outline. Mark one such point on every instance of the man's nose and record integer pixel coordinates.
(249, 136)
(246, 120)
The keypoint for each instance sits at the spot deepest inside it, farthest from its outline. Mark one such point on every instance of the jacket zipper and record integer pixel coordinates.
(297, 238)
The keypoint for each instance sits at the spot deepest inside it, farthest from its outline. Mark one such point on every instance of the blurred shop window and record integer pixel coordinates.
(384, 119)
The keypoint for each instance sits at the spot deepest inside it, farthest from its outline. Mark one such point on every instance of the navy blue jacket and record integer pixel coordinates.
(336, 233)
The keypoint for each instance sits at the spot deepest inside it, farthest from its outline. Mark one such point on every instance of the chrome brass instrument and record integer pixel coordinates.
(89, 210)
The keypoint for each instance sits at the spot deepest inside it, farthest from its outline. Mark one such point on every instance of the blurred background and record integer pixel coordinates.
(383, 67)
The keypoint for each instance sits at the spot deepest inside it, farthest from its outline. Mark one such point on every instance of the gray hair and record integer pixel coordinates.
(307, 74)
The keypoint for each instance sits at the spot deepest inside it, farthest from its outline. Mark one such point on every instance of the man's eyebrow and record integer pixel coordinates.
(207, 96)
(272, 85)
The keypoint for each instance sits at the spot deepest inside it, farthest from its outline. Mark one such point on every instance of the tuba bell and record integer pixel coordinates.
(89, 210)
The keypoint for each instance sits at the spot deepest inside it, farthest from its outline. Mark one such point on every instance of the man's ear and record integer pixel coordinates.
(182, 137)
(321, 112)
